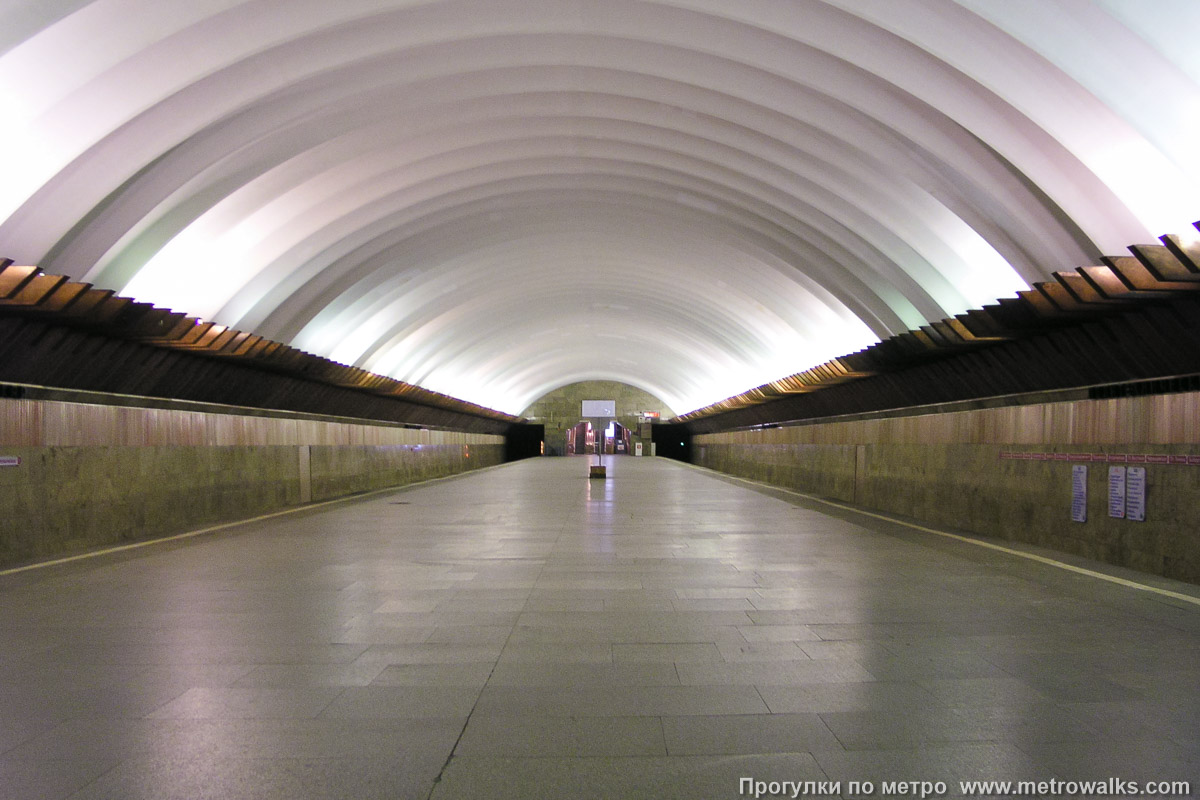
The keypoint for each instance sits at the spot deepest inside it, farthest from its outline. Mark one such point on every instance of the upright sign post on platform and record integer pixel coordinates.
(599, 412)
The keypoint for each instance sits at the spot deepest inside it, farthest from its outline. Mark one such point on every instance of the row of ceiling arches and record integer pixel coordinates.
(492, 199)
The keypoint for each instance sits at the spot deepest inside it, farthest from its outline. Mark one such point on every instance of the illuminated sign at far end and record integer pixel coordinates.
(599, 408)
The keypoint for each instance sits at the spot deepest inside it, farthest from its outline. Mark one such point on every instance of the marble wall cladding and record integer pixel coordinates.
(936, 470)
(339, 471)
(91, 476)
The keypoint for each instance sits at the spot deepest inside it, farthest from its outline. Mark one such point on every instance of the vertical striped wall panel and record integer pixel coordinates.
(45, 423)
(1156, 419)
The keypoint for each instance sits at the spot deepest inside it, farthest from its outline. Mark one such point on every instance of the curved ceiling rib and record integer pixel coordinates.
(492, 199)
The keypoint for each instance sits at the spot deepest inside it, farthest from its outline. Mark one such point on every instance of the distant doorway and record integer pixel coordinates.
(580, 439)
(584, 439)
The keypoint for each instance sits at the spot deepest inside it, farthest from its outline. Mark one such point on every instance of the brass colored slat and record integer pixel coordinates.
(1186, 250)
(1163, 264)
(1106, 282)
(64, 296)
(208, 336)
(260, 348)
(981, 323)
(959, 324)
(13, 278)
(230, 346)
(221, 339)
(242, 347)
(935, 336)
(1039, 303)
(192, 335)
(176, 328)
(950, 335)
(86, 304)
(1063, 300)
(926, 341)
(109, 308)
(1081, 290)
(1135, 275)
(34, 291)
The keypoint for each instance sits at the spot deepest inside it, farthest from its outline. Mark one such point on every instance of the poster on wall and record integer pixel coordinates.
(1135, 494)
(1116, 492)
(599, 408)
(1079, 493)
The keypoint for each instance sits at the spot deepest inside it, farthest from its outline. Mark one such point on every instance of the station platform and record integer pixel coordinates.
(527, 632)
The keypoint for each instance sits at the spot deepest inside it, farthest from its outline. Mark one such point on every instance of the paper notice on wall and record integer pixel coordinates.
(10, 461)
(1135, 494)
(1079, 493)
(1116, 492)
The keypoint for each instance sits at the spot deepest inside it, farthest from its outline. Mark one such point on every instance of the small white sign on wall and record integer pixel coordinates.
(1079, 493)
(1135, 494)
(599, 408)
(1116, 492)
(10, 461)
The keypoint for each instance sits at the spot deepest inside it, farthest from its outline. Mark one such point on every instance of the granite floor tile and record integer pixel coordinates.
(666, 778)
(284, 676)
(620, 701)
(248, 703)
(555, 737)
(777, 633)
(406, 702)
(583, 675)
(773, 673)
(749, 733)
(466, 675)
(404, 776)
(881, 697)
(949, 763)
(674, 653)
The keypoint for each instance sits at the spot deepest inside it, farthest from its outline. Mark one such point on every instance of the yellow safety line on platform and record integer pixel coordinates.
(213, 528)
(1031, 556)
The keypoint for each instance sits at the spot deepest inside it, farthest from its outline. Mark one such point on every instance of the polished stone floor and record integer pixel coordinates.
(525, 632)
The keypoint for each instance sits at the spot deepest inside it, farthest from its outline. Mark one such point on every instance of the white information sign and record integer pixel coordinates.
(1079, 493)
(1116, 492)
(599, 408)
(10, 461)
(1135, 494)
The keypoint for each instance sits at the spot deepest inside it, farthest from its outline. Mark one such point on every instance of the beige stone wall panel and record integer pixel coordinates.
(93, 476)
(946, 470)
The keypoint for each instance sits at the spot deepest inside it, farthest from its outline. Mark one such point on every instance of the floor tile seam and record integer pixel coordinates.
(512, 630)
(314, 507)
(630, 757)
(662, 732)
(957, 537)
(119, 763)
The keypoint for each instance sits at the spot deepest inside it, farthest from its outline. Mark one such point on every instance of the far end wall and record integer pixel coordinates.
(1001, 472)
(559, 410)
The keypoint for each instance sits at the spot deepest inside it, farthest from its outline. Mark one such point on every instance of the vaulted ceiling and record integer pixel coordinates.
(494, 198)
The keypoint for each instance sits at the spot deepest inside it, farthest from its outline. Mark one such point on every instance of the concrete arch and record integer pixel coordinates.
(284, 166)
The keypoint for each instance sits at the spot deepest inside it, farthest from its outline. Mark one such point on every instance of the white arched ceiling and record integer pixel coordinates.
(494, 198)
